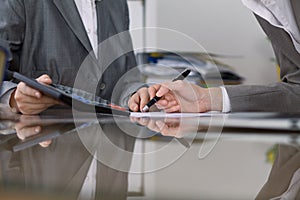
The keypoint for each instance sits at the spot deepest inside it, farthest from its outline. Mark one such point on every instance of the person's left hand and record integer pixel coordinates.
(31, 101)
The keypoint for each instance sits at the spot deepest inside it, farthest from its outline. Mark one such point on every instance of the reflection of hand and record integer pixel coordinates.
(29, 126)
(174, 127)
(30, 101)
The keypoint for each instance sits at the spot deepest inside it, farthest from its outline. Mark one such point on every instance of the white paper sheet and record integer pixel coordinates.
(173, 115)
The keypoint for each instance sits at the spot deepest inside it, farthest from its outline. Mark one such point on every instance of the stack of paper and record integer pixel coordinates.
(163, 66)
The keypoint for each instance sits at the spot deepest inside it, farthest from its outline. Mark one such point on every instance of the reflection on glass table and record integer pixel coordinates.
(49, 156)
(47, 160)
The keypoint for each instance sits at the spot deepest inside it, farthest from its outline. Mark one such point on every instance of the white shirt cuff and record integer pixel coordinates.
(226, 102)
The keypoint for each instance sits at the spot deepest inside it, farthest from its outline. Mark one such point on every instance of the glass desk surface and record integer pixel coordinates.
(65, 155)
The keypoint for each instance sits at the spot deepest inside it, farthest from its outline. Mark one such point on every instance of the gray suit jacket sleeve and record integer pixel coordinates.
(283, 96)
(11, 36)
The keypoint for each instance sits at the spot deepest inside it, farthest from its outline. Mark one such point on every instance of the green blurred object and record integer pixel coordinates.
(271, 154)
(3, 62)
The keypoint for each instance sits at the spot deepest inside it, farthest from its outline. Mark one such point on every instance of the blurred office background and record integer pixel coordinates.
(221, 27)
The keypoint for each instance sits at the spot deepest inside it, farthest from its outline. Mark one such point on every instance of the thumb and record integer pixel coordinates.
(169, 86)
(44, 79)
(162, 91)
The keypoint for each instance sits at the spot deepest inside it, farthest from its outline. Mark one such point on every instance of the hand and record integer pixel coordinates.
(30, 101)
(173, 127)
(141, 98)
(29, 126)
(180, 96)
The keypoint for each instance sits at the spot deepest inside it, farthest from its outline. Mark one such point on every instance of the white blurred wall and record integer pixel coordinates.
(222, 27)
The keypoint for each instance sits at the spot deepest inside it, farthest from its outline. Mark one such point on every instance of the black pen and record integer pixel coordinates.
(181, 76)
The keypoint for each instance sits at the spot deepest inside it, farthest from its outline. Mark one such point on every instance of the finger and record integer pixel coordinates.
(171, 104)
(170, 96)
(152, 126)
(136, 100)
(33, 109)
(166, 104)
(45, 143)
(167, 130)
(144, 121)
(33, 100)
(26, 132)
(173, 87)
(152, 90)
(164, 129)
(140, 120)
(133, 102)
(162, 90)
(29, 120)
(173, 109)
(171, 120)
(44, 79)
(24, 90)
(160, 124)
(159, 107)
(144, 98)
(28, 91)
(133, 119)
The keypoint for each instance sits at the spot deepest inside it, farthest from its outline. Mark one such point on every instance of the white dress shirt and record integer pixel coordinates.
(279, 13)
(226, 102)
(88, 13)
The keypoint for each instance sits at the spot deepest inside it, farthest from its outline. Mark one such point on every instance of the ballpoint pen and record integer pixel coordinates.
(181, 76)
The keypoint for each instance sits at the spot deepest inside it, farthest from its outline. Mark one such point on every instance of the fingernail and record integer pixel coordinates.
(158, 94)
(37, 129)
(37, 94)
(160, 124)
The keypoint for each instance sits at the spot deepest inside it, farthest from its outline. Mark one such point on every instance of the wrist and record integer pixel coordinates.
(215, 101)
(12, 102)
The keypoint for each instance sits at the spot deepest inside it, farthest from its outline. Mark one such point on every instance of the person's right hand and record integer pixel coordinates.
(181, 96)
(31, 101)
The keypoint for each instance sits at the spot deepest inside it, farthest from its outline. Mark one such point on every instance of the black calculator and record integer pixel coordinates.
(79, 99)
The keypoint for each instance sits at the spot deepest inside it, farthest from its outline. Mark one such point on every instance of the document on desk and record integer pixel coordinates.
(174, 115)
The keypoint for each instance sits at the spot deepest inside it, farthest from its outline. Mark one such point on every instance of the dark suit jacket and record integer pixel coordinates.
(286, 164)
(48, 37)
(283, 96)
